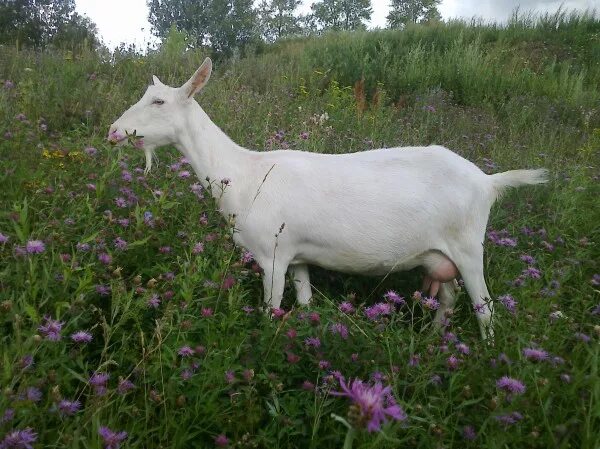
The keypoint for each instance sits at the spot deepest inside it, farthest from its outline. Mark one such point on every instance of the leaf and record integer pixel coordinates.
(32, 313)
(139, 242)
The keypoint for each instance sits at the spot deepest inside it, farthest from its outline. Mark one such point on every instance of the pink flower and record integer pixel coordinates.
(375, 403)
(221, 440)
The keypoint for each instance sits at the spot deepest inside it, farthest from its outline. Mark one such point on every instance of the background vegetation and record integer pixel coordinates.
(178, 355)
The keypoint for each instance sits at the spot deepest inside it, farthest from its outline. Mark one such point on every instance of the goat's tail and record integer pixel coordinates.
(517, 178)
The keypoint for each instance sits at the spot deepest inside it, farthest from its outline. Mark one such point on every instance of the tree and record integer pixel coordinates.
(39, 22)
(342, 14)
(404, 12)
(191, 16)
(223, 24)
(277, 19)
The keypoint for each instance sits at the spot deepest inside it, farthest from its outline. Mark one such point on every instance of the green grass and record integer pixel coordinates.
(520, 96)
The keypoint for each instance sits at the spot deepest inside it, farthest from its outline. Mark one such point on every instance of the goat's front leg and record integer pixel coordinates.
(301, 281)
(274, 283)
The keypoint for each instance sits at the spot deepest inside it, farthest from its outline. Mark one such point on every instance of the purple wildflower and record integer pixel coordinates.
(394, 297)
(33, 394)
(312, 341)
(81, 337)
(532, 273)
(83, 247)
(510, 385)
(19, 439)
(452, 362)
(105, 258)
(198, 248)
(340, 329)
(120, 244)
(3, 238)
(35, 247)
(595, 280)
(7, 416)
(124, 386)
(469, 433)
(324, 364)
(509, 302)
(68, 408)
(583, 337)
(103, 290)
(51, 329)
(509, 419)
(112, 440)
(185, 351)
(536, 355)
(375, 403)
(346, 307)
(120, 202)
(99, 381)
(378, 309)
(463, 348)
(430, 303)
(221, 440)
(529, 260)
(154, 301)
(26, 362)
(90, 151)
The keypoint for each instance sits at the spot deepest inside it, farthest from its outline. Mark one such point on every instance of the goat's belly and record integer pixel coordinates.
(355, 262)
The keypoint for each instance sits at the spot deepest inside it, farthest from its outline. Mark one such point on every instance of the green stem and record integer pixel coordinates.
(349, 438)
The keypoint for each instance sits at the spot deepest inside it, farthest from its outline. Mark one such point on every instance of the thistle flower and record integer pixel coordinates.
(3, 238)
(81, 337)
(509, 302)
(68, 408)
(510, 385)
(121, 244)
(536, 355)
(372, 405)
(346, 307)
(51, 329)
(35, 247)
(469, 433)
(99, 381)
(394, 297)
(312, 341)
(19, 439)
(221, 440)
(111, 439)
(430, 303)
(124, 386)
(340, 329)
(377, 310)
(185, 351)
(509, 419)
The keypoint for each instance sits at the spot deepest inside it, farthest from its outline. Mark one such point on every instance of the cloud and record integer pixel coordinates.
(500, 10)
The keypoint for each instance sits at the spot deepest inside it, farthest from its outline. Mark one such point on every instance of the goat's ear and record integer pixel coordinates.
(156, 81)
(198, 79)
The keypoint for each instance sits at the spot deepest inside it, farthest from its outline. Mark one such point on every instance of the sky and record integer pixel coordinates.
(127, 20)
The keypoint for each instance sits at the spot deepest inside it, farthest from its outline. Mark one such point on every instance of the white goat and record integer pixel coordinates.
(371, 212)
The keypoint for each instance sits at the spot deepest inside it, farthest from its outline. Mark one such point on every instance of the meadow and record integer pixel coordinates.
(128, 317)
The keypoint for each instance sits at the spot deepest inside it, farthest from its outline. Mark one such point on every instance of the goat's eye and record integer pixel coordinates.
(159, 102)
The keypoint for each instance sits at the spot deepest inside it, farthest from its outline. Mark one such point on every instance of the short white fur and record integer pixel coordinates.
(371, 212)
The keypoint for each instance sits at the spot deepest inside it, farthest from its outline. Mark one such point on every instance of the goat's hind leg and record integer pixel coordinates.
(469, 260)
(301, 281)
(447, 295)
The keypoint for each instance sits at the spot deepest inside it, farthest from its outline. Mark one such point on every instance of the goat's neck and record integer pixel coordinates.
(212, 153)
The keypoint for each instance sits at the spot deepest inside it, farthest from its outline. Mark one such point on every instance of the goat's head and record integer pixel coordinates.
(160, 115)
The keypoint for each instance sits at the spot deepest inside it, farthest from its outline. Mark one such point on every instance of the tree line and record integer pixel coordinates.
(222, 25)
